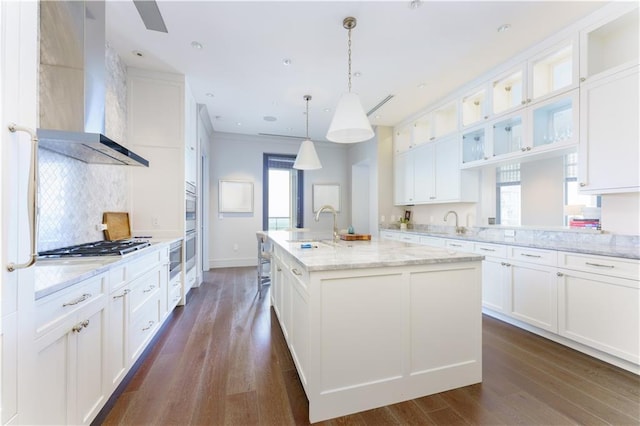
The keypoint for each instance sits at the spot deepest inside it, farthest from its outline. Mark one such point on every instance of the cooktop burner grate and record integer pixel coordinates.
(98, 248)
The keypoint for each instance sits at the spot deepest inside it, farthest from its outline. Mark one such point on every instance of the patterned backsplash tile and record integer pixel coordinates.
(72, 197)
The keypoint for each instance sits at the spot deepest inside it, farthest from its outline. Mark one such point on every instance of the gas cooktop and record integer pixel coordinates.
(98, 248)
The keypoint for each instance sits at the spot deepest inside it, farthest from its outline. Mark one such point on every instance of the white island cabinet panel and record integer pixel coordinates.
(353, 356)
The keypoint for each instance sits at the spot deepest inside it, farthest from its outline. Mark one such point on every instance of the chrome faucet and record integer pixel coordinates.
(335, 215)
(459, 229)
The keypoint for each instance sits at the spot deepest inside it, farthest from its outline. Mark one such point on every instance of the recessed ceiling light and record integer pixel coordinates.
(286, 62)
(269, 118)
(209, 94)
(414, 4)
(327, 110)
(238, 123)
(138, 53)
(197, 45)
(503, 28)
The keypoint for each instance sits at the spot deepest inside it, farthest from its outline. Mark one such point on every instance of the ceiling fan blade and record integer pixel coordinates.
(150, 14)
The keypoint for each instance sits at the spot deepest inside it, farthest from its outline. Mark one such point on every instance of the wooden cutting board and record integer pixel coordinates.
(118, 227)
(355, 237)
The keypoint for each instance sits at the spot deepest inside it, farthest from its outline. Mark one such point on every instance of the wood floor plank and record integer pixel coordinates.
(222, 360)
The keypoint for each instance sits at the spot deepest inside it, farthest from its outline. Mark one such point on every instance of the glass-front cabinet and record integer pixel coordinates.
(508, 135)
(474, 145)
(508, 91)
(553, 71)
(474, 107)
(555, 121)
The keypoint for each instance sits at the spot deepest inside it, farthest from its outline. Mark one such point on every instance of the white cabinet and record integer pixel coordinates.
(475, 106)
(609, 133)
(71, 357)
(599, 303)
(431, 173)
(118, 364)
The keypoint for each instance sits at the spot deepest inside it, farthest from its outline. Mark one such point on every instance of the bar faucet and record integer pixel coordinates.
(459, 229)
(335, 215)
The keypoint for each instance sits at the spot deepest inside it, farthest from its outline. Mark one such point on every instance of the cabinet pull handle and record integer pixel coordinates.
(432, 198)
(455, 245)
(582, 184)
(560, 274)
(486, 249)
(78, 327)
(296, 272)
(505, 264)
(599, 265)
(582, 79)
(148, 326)
(151, 287)
(78, 300)
(530, 255)
(124, 293)
(279, 269)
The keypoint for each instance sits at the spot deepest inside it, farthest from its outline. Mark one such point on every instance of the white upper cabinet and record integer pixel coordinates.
(474, 107)
(438, 122)
(610, 45)
(507, 92)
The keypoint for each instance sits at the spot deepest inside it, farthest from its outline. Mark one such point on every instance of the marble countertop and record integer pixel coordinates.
(585, 244)
(55, 274)
(325, 254)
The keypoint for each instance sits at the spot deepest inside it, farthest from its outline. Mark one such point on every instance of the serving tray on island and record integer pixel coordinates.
(355, 237)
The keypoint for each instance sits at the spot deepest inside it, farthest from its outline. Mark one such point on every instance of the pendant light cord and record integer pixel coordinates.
(349, 53)
(307, 99)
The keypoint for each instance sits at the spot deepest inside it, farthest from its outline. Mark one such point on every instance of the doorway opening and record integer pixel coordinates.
(282, 206)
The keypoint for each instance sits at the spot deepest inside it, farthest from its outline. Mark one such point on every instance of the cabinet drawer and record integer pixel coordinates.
(493, 250)
(388, 235)
(408, 238)
(144, 323)
(52, 309)
(117, 277)
(459, 245)
(144, 288)
(432, 241)
(612, 266)
(175, 293)
(540, 257)
(140, 265)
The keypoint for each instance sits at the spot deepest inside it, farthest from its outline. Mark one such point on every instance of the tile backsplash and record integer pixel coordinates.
(72, 197)
(72, 194)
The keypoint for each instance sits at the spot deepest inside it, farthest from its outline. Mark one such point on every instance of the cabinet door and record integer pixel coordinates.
(609, 134)
(423, 174)
(447, 170)
(601, 312)
(533, 296)
(117, 367)
(494, 289)
(403, 178)
(53, 376)
(90, 362)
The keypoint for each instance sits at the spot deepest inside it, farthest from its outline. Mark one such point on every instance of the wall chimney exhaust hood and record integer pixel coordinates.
(72, 84)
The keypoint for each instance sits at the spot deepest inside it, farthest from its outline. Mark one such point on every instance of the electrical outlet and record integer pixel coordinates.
(382, 219)
(155, 222)
(101, 227)
(510, 233)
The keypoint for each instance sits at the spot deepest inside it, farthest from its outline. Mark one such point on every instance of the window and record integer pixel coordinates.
(581, 210)
(282, 193)
(508, 195)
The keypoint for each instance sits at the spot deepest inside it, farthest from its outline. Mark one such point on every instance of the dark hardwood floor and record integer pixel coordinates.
(222, 360)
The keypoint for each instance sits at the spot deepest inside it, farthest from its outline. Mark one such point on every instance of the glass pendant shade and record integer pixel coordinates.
(307, 158)
(350, 124)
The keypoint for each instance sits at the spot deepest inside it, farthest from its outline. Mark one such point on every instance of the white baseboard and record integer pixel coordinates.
(232, 263)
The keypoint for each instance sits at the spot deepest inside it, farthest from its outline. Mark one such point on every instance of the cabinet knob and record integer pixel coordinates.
(560, 274)
(582, 184)
(528, 148)
(486, 158)
(523, 149)
(582, 79)
(528, 101)
(486, 116)
(523, 102)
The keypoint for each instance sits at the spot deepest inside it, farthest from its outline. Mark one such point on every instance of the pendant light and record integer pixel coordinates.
(307, 158)
(349, 124)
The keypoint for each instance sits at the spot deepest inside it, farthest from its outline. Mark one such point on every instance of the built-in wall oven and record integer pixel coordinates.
(190, 207)
(175, 259)
(190, 250)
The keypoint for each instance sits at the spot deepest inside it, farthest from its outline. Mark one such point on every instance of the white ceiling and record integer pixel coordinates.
(441, 44)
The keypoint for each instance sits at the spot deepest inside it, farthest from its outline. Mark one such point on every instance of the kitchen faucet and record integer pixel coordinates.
(335, 215)
(459, 229)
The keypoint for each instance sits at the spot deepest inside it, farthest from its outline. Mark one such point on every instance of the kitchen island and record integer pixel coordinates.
(372, 323)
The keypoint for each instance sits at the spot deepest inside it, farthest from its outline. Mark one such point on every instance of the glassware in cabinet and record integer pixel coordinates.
(556, 121)
(474, 145)
(507, 135)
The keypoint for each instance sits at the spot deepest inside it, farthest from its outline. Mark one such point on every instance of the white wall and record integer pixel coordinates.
(542, 192)
(232, 237)
(621, 213)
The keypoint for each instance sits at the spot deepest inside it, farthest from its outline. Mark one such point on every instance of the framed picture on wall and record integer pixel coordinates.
(326, 194)
(235, 196)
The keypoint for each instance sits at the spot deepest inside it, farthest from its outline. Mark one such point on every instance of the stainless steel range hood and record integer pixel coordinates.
(72, 84)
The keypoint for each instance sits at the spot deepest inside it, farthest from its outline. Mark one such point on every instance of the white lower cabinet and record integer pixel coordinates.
(71, 382)
(144, 312)
(532, 296)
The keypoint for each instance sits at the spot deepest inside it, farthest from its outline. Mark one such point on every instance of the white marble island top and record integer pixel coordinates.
(325, 254)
